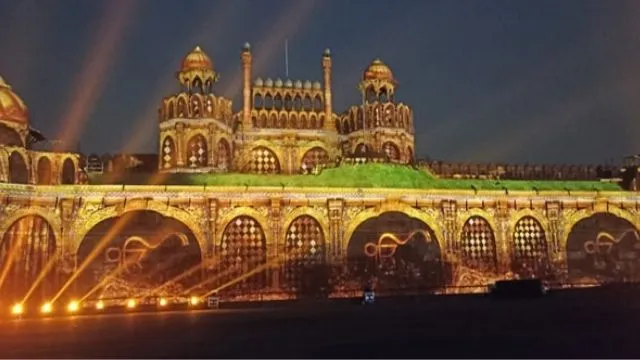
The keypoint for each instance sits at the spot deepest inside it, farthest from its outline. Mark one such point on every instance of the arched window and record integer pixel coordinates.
(18, 171)
(68, 172)
(197, 152)
(44, 171)
(257, 101)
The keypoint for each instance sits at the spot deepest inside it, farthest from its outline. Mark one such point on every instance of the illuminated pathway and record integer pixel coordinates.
(587, 324)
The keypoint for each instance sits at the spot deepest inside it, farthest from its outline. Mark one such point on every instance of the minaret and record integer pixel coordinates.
(246, 87)
(328, 109)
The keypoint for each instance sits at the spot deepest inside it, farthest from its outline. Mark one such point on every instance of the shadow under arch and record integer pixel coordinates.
(30, 243)
(144, 253)
(397, 252)
(603, 248)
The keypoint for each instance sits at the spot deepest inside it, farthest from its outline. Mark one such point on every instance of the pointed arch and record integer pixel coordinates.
(303, 271)
(44, 171)
(478, 245)
(197, 151)
(169, 156)
(263, 161)
(530, 254)
(313, 158)
(392, 151)
(18, 170)
(224, 154)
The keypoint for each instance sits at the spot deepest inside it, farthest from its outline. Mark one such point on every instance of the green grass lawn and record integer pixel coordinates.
(359, 176)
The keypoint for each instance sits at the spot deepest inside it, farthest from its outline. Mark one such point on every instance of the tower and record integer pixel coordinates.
(328, 107)
(246, 87)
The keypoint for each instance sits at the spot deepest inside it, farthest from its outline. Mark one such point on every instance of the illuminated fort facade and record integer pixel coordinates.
(113, 241)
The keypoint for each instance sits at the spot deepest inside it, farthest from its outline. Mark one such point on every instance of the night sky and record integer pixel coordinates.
(519, 81)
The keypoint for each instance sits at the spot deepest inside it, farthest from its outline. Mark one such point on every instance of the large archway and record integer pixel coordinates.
(478, 245)
(603, 247)
(529, 253)
(242, 252)
(305, 272)
(397, 252)
(28, 247)
(145, 250)
(18, 170)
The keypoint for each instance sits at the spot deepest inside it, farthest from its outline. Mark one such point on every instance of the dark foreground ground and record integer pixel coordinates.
(586, 323)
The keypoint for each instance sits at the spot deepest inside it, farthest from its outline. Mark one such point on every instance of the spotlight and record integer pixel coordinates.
(17, 309)
(99, 305)
(193, 301)
(46, 308)
(73, 306)
(131, 303)
(162, 302)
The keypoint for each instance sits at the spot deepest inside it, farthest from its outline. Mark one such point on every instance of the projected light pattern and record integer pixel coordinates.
(304, 255)
(478, 245)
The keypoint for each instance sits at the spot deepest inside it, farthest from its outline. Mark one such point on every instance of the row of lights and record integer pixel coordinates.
(74, 306)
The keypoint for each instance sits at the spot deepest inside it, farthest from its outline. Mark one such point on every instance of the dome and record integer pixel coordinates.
(278, 83)
(268, 82)
(288, 83)
(307, 85)
(317, 86)
(259, 82)
(12, 108)
(298, 84)
(197, 60)
(378, 71)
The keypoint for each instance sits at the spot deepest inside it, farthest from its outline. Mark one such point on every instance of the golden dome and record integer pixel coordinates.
(12, 108)
(378, 71)
(197, 60)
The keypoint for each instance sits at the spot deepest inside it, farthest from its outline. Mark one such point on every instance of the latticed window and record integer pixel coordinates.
(530, 256)
(478, 245)
(304, 251)
(168, 153)
(197, 148)
(316, 156)
(224, 154)
(263, 161)
(243, 249)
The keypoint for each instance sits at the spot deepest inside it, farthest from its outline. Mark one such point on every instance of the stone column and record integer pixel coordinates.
(212, 217)
(212, 148)
(336, 231)
(557, 256)
(503, 238)
(180, 146)
(273, 252)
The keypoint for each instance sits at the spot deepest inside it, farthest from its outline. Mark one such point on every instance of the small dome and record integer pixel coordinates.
(297, 84)
(197, 60)
(246, 47)
(12, 108)
(327, 52)
(278, 83)
(258, 82)
(317, 85)
(378, 71)
(307, 85)
(268, 82)
(288, 83)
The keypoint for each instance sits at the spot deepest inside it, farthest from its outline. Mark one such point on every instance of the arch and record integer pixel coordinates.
(171, 111)
(28, 247)
(268, 102)
(389, 116)
(361, 149)
(312, 158)
(169, 156)
(197, 151)
(396, 249)
(307, 104)
(345, 127)
(293, 121)
(263, 161)
(317, 103)
(209, 107)
(303, 122)
(478, 245)
(242, 249)
(224, 154)
(313, 121)
(360, 119)
(257, 101)
(183, 109)
(297, 103)
(196, 105)
(68, 173)
(370, 94)
(148, 248)
(273, 121)
(603, 247)
(197, 85)
(9, 136)
(321, 121)
(288, 102)
(282, 123)
(263, 121)
(304, 269)
(392, 151)
(44, 171)
(277, 102)
(529, 251)
(18, 170)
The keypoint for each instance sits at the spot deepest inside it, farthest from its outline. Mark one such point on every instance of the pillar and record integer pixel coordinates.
(328, 106)
(336, 242)
(180, 145)
(503, 237)
(246, 87)
(273, 251)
